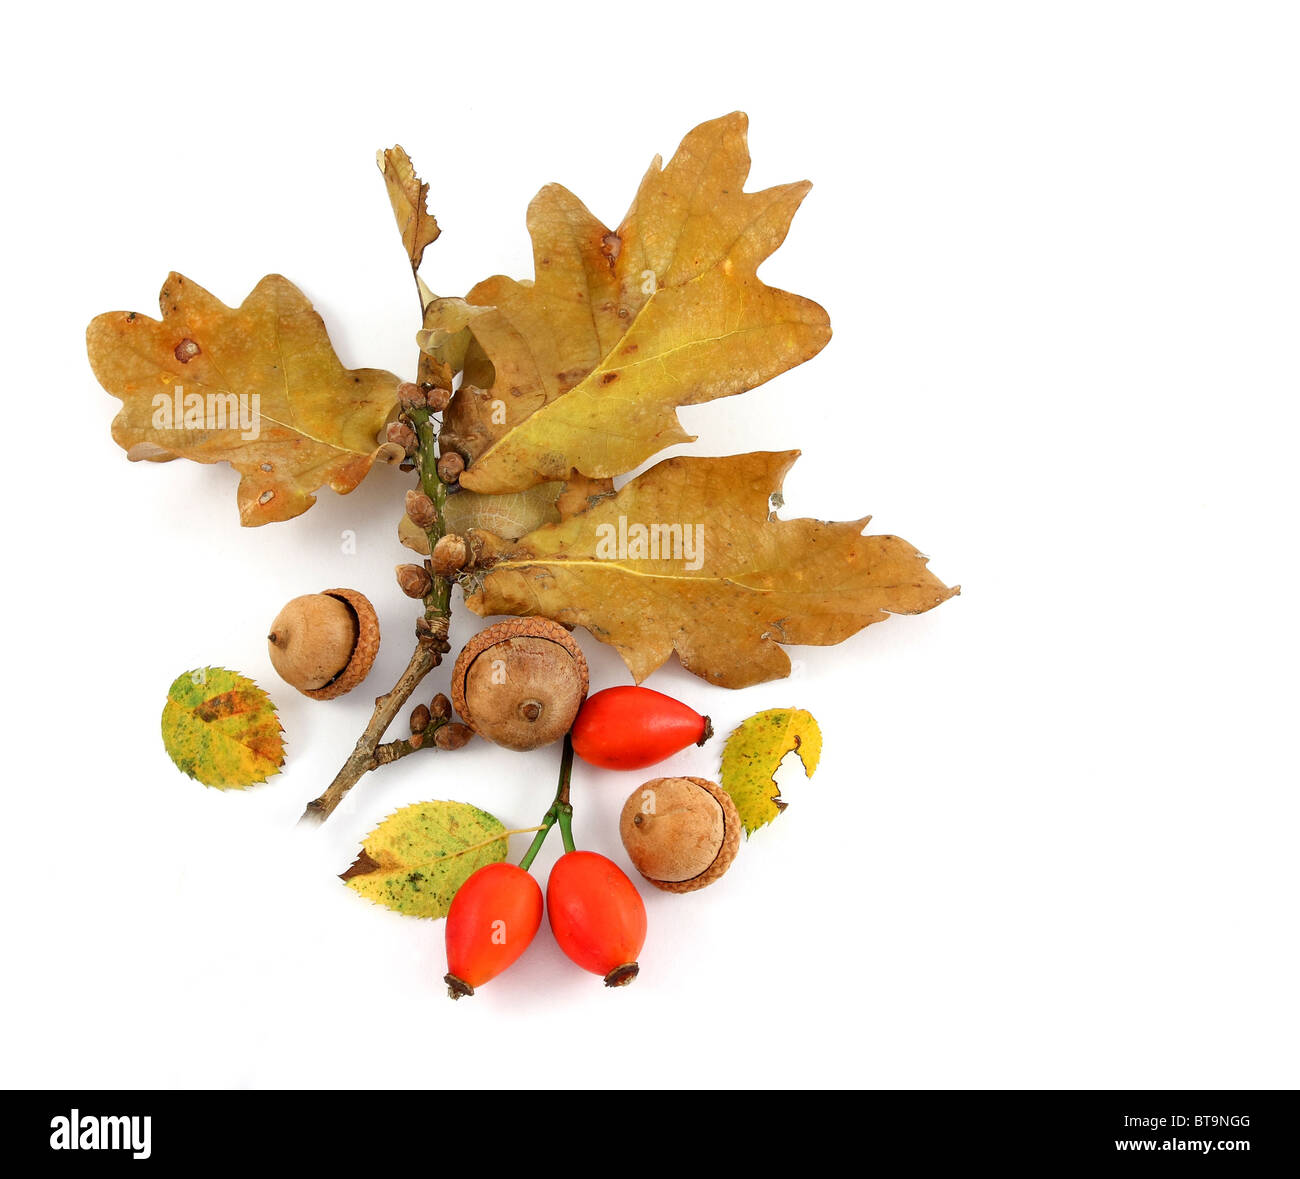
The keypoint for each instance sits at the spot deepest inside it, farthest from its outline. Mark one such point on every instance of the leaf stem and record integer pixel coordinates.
(561, 810)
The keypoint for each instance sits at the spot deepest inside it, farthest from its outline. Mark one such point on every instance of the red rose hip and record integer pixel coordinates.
(492, 919)
(629, 728)
(597, 915)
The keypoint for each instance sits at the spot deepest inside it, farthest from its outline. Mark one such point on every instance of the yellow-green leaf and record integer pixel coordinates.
(583, 367)
(754, 751)
(689, 557)
(417, 858)
(221, 728)
(257, 386)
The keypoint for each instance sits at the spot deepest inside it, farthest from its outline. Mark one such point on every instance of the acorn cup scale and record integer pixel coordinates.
(520, 683)
(324, 644)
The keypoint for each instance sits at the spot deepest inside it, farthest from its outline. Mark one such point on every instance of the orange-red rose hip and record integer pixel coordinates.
(597, 915)
(492, 919)
(629, 728)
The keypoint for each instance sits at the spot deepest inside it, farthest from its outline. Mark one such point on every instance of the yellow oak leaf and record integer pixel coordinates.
(258, 386)
(583, 367)
(688, 557)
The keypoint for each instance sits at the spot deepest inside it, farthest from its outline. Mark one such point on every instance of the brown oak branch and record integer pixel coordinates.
(366, 755)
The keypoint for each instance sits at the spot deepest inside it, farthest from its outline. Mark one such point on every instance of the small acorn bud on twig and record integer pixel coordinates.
(440, 707)
(452, 736)
(411, 396)
(450, 466)
(450, 555)
(420, 508)
(437, 399)
(402, 434)
(420, 718)
(414, 580)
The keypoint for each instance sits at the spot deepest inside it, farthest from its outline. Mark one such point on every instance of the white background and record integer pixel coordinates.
(1052, 841)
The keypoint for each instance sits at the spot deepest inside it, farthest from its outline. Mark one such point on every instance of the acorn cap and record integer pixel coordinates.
(541, 696)
(684, 825)
(363, 653)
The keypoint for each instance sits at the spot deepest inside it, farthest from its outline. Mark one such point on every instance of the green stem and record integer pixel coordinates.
(561, 811)
(566, 829)
(437, 602)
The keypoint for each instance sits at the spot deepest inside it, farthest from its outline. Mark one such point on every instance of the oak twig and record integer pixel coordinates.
(432, 627)
(368, 753)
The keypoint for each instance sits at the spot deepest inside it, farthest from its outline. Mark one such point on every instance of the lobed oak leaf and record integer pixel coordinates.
(583, 367)
(688, 557)
(258, 386)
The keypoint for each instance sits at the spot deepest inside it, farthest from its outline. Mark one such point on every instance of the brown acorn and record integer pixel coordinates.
(324, 644)
(680, 833)
(520, 683)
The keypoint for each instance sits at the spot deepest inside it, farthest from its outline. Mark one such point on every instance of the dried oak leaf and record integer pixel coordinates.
(508, 516)
(258, 386)
(408, 195)
(724, 585)
(584, 367)
(511, 515)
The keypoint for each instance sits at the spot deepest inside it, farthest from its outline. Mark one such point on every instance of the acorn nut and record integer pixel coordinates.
(680, 833)
(520, 683)
(324, 644)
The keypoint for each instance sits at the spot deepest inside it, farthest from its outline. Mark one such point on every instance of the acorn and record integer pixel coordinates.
(680, 833)
(520, 683)
(324, 644)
